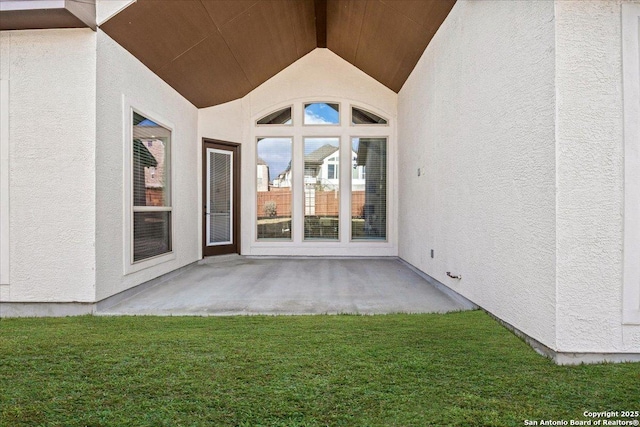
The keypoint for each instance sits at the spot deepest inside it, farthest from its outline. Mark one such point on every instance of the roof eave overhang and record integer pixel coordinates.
(42, 14)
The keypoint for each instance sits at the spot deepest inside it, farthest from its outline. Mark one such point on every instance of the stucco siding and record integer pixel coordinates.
(320, 75)
(477, 160)
(120, 74)
(223, 122)
(590, 205)
(52, 100)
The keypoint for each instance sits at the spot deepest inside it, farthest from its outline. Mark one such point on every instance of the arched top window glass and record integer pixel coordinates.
(280, 117)
(321, 113)
(364, 117)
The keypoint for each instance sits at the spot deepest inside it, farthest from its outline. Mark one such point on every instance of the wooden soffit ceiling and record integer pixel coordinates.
(214, 51)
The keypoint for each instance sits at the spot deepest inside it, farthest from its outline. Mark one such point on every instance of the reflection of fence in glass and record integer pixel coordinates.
(274, 214)
(326, 203)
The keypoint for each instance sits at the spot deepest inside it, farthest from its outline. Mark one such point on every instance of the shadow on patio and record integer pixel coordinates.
(234, 285)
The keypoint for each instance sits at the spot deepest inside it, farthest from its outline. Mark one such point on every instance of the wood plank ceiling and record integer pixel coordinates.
(214, 51)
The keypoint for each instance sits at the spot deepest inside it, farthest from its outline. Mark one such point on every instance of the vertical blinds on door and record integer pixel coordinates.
(220, 191)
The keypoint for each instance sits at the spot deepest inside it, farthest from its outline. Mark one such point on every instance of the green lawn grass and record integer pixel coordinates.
(397, 370)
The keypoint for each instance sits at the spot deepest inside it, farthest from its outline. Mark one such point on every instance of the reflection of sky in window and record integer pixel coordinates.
(147, 122)
(276, 152)
(321, 114)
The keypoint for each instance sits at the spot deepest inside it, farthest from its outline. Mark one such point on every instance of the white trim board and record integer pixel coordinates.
(631, 94)
(4, 182)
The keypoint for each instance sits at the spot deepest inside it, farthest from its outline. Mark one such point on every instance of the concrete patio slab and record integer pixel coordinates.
(242, 286)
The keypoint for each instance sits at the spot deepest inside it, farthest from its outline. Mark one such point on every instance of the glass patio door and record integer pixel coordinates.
(220, 197)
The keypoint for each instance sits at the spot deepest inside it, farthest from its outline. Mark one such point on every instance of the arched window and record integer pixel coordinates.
(364, 117)
(280, 117)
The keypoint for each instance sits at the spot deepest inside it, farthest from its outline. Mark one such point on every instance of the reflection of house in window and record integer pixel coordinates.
(142, 158)
(317, 165)
(322, 166)
(262, 173)
(153, 180)
(283, 180)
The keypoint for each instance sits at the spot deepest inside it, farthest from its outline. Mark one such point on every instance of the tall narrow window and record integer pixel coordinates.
(321, 188)
(151, 188)
(274, 189)
(369, 189)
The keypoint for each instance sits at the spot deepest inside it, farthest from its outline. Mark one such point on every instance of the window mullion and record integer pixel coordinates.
(152, 208)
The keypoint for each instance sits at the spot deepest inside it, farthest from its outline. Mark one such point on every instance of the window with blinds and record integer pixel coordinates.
(369, 189)
(151, 188)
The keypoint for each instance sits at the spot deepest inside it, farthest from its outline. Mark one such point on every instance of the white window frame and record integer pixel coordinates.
(4, 182)
(387, 189)
(129, 107)
(631, 94)
(297, 246)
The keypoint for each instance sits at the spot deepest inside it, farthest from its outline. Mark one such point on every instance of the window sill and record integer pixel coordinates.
(148, 263)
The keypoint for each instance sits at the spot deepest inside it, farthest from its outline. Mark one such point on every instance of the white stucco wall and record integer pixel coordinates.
(319, 76)
(590, 201)
(223, 122)
(120, 74)
(631, 95)
(52, 105)
(476, 117)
